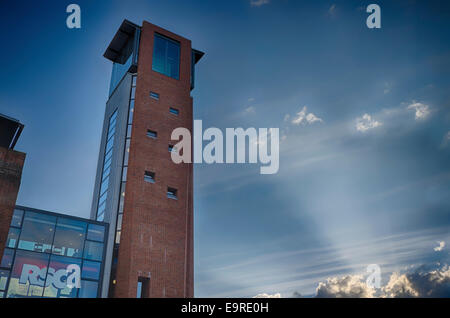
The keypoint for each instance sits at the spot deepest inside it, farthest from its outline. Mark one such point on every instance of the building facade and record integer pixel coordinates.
(11, 165)
(146, 199)
(42, 251)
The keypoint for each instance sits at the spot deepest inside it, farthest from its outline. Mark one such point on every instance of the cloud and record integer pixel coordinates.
(422, 110)
(349, 286)
(250, 110)
(366, 122)
(302, 117)
(332, 9)
(258, 3)
(296, 294)
(446, 140)
(419, 283)
(434, 283)
(264, 295)
(440, 247)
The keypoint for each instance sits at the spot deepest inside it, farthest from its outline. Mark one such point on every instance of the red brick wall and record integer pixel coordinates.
(157, 232)
(11, 164)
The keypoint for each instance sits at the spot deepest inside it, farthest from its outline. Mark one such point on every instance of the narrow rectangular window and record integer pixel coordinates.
(149, 176)
(152, 134)
(154, 95)
(143, 287)
(174, 111)
(172, 193)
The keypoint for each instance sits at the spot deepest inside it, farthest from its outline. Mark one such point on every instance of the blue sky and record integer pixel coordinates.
(367, 182)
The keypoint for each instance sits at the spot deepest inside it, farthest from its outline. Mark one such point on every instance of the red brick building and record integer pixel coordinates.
(139, 191)
(11, 164)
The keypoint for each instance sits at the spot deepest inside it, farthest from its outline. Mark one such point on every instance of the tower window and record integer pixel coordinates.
(149, 176)
(172, 193)
(143, 287)
(174, 111)
(152, 134)
(154, 95)
(166, 56)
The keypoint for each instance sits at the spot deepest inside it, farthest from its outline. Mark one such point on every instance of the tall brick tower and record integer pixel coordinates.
(139, 191)
(11, 164)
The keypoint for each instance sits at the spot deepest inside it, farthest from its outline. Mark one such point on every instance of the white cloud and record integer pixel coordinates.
(250, 110)
(440, 247)
(420, 283)
(422, 110)
(349, 286)
(264, 295)
(366, 122)
(434, 283)
(258, 3)
(302, 117)
(251, 99)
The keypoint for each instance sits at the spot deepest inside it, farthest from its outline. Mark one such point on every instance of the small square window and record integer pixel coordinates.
(174, 111)
(154, 95)
(172, 193)
(152, 134)
(172, 148)
(149, 176)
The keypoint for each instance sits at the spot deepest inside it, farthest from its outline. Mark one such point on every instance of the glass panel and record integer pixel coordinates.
(118, 71)
(133, 80)
(121, 203)
(28, 274)
(13, 237)
(7, 259)
(124, 173)
(173, 59)
(131, 112)
(129, 131)
(37, 232)
(118, 237)
(102, 198)
(101, 208)
(133, 92)
(4, 275)
(104, 185)
(159, 54)
(119, 221)
(69, 237)
(110, 144)
(17, 218)
(96, 232)
(91, 270)
(108, 155)
(139, 290)
(101, 217)
(56, 284)
(88, 289)
(127, 152)
(93, 251)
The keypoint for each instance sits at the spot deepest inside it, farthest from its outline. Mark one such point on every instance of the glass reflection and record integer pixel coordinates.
(93, 251)
(56, 284)
(28, 274)
(37, 232)
(7, 258)
(69, 237)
